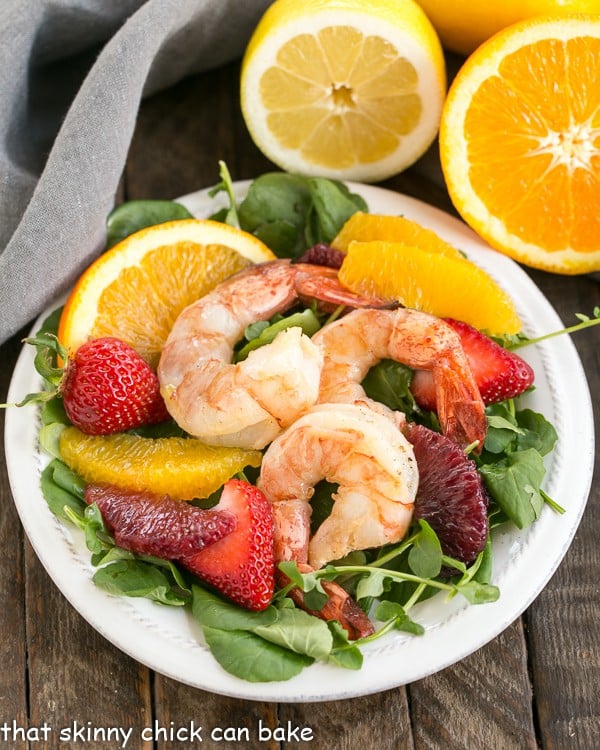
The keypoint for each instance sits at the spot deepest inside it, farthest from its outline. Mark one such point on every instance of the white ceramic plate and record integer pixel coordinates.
(168, 640)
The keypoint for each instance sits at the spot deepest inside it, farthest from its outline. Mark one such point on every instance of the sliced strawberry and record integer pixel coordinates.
(451, 496)
(241, 565)
(499, 373)
(107, 387)
(149, 524)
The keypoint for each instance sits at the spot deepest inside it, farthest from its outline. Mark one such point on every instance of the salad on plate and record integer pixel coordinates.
(305, 457)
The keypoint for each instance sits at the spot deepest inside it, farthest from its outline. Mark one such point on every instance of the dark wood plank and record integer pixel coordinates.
(379, 721)
(483, 701)
(77, 680)
(13, 675)
(225, 721)
(563, 622)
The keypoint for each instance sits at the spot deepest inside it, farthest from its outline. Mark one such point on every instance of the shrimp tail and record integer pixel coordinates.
(340, 607)
(321, 283)
(460, 408)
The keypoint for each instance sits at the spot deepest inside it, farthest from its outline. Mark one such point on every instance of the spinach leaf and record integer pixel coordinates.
(387, 611)
(212, 611)
(60, 491)
(389, 382)
(514, 483)
(306, 320)
(425, 556)
(252, 658)
(138, 578)
(134, 215)
(332, 205)
(275, 210)
(290, 213)
(300, 632)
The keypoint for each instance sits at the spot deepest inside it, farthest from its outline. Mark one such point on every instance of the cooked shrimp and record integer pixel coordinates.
(366, 455)
(248, 403)
(353, 344)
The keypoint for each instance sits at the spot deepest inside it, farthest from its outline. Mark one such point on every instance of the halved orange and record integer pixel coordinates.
(136, 290)
(363, 227)
(180, 467)
(520, 142)
(439, 284)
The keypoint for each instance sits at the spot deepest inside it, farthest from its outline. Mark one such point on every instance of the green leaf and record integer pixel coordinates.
(535, 432)
(344, 653)
(425, 556)
(333, 205)
(252, 658)
(300, 632)
(56, 496)
(371, 585)
(49, 437)
(275, 210)
(389, 382)
(138, 579)
(479, 593)
(484, 569)
(514, 484)
(387, 611)
(212, 611)
(66, 478)
(134, 215)
(290, 213)
(306, 320)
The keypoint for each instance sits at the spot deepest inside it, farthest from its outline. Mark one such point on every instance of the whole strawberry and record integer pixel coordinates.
(107, 387)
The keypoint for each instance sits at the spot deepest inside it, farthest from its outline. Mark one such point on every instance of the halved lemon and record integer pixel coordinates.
(350, 89)
(136, 290)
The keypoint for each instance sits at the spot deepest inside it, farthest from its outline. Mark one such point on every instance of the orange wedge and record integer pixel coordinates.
(432, 282)
(136, 290)
(362, 227)
(520, 142)
(182, 468)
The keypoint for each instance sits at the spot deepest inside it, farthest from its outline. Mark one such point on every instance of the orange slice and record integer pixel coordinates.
(432, 282)
(362, 227)
(183, 468)
(520, 143)
(350, 89)
(136, 290)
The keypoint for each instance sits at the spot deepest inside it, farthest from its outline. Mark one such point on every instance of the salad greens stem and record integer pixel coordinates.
(415, 597)
(335, 314)
(586, 321)
(393, 574)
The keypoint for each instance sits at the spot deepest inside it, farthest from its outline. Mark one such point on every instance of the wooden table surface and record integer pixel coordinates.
(537, 685)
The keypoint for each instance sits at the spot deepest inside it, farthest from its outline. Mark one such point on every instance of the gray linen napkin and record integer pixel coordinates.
(72, 75)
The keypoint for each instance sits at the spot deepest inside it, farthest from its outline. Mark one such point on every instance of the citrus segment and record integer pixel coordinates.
(432, 282)
(182, 468)
(349, 89)
(520, 143)
(363, 227)
(136, 290)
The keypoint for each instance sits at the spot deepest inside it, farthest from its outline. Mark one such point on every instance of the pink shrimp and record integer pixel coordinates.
(248, 403)
(353, 344)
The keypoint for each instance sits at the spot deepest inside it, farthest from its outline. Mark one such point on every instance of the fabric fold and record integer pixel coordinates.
(54, 225)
